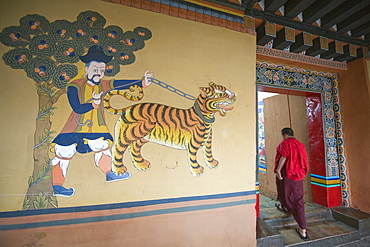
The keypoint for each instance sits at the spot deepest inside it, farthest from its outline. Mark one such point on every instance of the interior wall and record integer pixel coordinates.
(185, 54)
(355, 113)
(282, 111)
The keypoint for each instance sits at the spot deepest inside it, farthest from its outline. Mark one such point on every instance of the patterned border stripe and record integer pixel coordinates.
(262, 169)
(133, 204)
(326, 84)
(325, 181)
(263, 50)
(194, 10)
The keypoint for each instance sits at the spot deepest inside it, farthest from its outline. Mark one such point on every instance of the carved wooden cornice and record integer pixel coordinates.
(266, 51)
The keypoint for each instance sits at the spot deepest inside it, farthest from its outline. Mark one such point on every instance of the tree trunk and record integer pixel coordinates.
(40, 192)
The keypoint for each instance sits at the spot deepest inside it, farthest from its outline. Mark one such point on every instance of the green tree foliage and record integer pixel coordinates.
(47, 51)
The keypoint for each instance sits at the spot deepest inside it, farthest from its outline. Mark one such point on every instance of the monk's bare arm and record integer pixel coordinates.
(280, 166)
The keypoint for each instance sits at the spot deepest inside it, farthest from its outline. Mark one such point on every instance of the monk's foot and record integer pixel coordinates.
(302, 234)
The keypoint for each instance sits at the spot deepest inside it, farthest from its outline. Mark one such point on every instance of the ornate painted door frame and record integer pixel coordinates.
(329, 182)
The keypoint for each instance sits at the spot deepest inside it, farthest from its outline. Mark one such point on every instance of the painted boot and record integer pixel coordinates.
(111, 176)
(61, 191)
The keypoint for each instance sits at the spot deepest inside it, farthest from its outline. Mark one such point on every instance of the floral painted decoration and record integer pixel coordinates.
(64, 74)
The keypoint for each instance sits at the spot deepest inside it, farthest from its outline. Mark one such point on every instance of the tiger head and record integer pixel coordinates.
(216, 98)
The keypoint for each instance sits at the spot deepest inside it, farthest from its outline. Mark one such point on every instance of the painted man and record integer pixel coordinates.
(291, 166)
(86, 130)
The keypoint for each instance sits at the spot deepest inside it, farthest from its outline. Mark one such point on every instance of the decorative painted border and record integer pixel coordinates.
(327, 182)
(121, 211)
(263, 50)
(327, 85)
(194, 10)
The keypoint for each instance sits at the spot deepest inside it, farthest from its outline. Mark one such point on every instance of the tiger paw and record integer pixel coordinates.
(142, 166)
(213, 164)
(119, 169)
(197, 171)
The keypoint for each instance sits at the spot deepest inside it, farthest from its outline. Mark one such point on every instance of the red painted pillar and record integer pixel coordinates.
(325, 190)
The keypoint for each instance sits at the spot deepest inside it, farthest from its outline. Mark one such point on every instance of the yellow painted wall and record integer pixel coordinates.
(185, 54)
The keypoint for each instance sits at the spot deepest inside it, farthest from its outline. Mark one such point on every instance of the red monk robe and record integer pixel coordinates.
(290, 188)
(296, 164)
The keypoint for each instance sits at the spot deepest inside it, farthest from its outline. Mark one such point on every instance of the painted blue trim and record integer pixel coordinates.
(124, 216)
(123, 205)
(200, 9)
(326, 185)
(326, 178)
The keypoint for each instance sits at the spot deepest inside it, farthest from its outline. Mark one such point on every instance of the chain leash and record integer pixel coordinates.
(172, 89)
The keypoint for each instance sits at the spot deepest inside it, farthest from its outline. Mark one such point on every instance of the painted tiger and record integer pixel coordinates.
(187, 129)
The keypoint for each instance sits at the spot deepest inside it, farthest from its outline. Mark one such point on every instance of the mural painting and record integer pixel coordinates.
(48, 53)
(187, 129)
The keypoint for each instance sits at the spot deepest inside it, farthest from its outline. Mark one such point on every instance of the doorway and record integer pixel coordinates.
(279, 108)
(329, 186)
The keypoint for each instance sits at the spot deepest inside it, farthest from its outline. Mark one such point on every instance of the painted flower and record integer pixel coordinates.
(14, 36)
(125, 57)
(330, 132)
(42, 45)
(132, 41)
(330, 113)
(68, 51)
(276, 76)
(112, 68)
(268, 74)
(40, 69)
(17, 58)
(34, 24)
(327, 85)
(64, 74)
(92, 19)
(113, 33)
(143, 32)
(311, 80)
(60, 30)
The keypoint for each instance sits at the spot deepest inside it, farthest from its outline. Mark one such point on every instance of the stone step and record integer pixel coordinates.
(326, 227)
(267, 235)
(353, 217)
(322, 234)
(275, 218)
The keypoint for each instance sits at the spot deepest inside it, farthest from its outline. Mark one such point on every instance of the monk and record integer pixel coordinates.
(291, 166)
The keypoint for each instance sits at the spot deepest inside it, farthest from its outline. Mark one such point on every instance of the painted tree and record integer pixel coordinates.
(47, 52)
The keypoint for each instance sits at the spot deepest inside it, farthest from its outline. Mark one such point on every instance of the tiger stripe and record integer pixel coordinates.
(187, 129)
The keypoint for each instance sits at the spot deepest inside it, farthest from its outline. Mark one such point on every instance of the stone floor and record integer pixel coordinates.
(364, 242)
(320, 226)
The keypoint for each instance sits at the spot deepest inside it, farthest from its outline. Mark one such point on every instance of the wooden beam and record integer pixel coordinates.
(354, 20)
(303, 41)
(249, 3)
(294, 7)
(306, 27)
(361, 52)
(320, 45)
(349, 53)
(284, 38)
(273, 5)
(318, 9)
(361, 30)
(335, 49)
(265, 33)
(342, 12)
